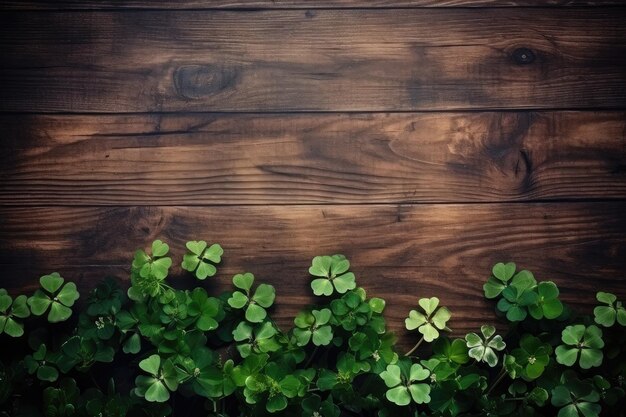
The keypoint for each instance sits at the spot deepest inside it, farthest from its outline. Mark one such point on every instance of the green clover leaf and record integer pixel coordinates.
(258, 339)
(484, 348)
(163, 379)
(532, 356)
(403, 385)
(614, 310)
(500, 275)
(148, 273)
(333, 273)
(453, 353)
(208, 310)
(314, 327)
(576, 399)
(430, 321)
(548, 305)
(351, 310)
(55, 297)
(580, 343)
(10, 310)
(256, 304)
(41, 363)
(313, 406)
(201, 259)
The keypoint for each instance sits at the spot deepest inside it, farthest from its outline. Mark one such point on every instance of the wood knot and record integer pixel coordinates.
(198, 81)
(523, 56)
(309, 14)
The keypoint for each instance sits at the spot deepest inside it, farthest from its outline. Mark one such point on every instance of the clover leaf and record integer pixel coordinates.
(313, 326)
(148, 273)
(575, 399)
(532, 356)
(11, 309)
(258, 339)
(484, 348)
(333, 273)
(313, 406)
(163, 379)
(55, 297)
(580, 343)
(277, 383)
(430, 321)
(402, 381)
(40, 362)
(548, 305)
(256, 304)
(607, 315)
(351, 310)
(453, 352)
(501, 274)
(519, 295)
(208, 310)
(200, 259)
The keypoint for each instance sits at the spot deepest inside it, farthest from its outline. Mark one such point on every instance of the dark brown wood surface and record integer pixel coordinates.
(311, 158)
(279, 4)
(426, 140)
(400, 253)
(330, 60)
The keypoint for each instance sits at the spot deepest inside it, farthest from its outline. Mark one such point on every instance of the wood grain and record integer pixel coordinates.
(323, 60)
(399, 253)
(278, 4)
(309, 158)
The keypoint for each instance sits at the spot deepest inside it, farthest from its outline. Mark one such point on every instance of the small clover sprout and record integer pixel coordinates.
(484, 349)
(200, 259)
(580, 343)
(256, 304)
(607, 315)
(313, 326)
(10, 310)
(532, 356)
(55, 297)
(403, 383)
(276, 384)
(430, 321)
(333, 275)
(351, 310)
(163, 379)
(548, 304)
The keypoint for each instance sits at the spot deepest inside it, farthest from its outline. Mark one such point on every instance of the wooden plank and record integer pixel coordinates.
(325, 60)
(399, 253)
(311, 158)
(278, 4)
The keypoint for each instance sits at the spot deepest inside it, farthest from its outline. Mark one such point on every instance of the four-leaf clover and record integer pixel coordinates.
(484, 349)
(11, 309)
(256, 304)
(200, 258)
(313, 326)
(403, 384)
(333, 273)
(55, 296)
(163, 379)
(430, 321)
(580, 342)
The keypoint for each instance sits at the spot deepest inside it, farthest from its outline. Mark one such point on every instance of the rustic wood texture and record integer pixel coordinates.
(304, 159)
(399, 253)
(279, 4)
(324, 60)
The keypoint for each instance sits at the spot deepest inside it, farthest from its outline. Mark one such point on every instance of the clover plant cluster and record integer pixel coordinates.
(155, 350)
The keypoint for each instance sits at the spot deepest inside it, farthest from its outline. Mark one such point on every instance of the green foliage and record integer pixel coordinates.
(430, 320)
(193, 353)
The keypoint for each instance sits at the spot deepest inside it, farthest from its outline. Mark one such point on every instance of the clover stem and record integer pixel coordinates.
(311, 357)
(215, 406)
(419, 342)
(498, 380)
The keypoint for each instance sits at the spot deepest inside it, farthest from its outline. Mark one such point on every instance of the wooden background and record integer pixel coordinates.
(425, 140)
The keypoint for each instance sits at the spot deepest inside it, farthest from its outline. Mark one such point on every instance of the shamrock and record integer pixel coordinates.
(56, 296)
(402, 381)
(348, 367)
(200, 258)
(313, 406)
(351, 310)
(428, 322)
(149, 272)
(576, 399)
(578, 339)
(548, 305)
(208, 310)
(163, 379)
(519, 295)
(483, 349)
(333, 273)
(532, 356)
(454, 353)
(10, 310)
(82, 353)
(501, 274)
(606, 315)
(277, 382)
(255, 306)
(206, 377)
(40, 362)
(313, 326)
(255, 339)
